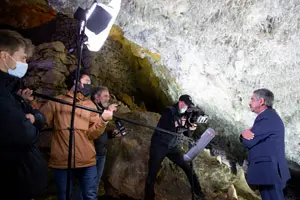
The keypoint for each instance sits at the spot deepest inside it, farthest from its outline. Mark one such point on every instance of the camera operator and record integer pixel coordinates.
(100, 96)
(23, 169)
(87, 127)
(166, 145)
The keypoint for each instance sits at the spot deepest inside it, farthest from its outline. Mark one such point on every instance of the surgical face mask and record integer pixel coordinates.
(19, 71)
(86, 90)
(182, 110)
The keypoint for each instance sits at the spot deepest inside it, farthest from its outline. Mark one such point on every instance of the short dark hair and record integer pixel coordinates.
(72, 76)
(11, 41)
(98, 89)
(266, 94)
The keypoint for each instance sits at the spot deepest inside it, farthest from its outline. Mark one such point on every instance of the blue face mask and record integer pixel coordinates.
(19, 71)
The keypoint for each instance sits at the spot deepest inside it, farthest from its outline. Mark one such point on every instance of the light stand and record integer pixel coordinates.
(94, 26)
(81, 39)
(43, 96)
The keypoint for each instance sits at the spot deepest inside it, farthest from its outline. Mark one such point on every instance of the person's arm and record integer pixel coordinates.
(98, 124)
(36, 117)
(40, 119)
(188, 133)
(47, 110)
(166, 120)
(261, 132)
(16, 128)
(112, 131)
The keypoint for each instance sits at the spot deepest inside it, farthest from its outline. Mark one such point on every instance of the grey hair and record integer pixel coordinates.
(266, 94)
(99, 89)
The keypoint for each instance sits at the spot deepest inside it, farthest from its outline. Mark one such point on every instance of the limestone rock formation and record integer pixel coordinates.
(119, 63)
(34, 14)
(219, 52)
(127, 167)
(48, 68)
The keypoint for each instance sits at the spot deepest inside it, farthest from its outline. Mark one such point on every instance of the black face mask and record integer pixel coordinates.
(86, 90)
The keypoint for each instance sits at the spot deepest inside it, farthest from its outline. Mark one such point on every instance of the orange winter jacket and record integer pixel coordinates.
(88, 126)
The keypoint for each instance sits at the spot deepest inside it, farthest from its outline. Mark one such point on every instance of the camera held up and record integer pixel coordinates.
(195, 115)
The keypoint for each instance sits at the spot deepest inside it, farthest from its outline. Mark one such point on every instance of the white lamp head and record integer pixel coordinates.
(100, 19)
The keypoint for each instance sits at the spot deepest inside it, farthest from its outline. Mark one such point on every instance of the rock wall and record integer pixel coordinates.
(119, 65)
(127, 166)
(220, 51)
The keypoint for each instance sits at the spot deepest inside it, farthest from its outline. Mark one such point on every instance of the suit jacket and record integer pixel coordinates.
(266, 155)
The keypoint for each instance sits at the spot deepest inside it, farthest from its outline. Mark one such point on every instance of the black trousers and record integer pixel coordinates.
(158, 151)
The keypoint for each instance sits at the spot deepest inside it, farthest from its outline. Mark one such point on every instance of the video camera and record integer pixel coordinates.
(195, 115)
(120, 127)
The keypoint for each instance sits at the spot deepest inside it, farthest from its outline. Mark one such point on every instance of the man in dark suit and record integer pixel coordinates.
(268, 168)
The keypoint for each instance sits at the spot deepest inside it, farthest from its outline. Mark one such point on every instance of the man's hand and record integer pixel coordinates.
(117, 133)
(112, 107)
(107, 115)
(26, 94)
(30, 117)
(183, 121)
(247, 134)
(193, 127)
(176, 123)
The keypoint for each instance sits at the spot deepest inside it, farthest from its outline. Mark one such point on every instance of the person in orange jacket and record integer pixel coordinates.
(87, 127)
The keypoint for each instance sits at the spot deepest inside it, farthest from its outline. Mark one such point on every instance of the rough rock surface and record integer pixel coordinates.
(129, 155)
(48, 68)
(220, 51)
(34, 14)
(127, 167)
(127, 164)
(227, 50)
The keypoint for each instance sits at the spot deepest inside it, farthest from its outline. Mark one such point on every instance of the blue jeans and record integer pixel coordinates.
(100, 167)
(87, 178)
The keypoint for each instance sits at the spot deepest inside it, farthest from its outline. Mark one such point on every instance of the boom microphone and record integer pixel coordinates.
(100, 112)
(201, 143)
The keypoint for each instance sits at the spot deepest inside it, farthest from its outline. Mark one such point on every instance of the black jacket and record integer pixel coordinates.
(167, 122)
(101, 142)
(23, 170)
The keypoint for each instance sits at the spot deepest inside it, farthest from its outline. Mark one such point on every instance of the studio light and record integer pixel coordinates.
(94, 26)
(98, 20)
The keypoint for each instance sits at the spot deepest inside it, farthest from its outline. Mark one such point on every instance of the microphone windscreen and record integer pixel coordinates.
(201, 143)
